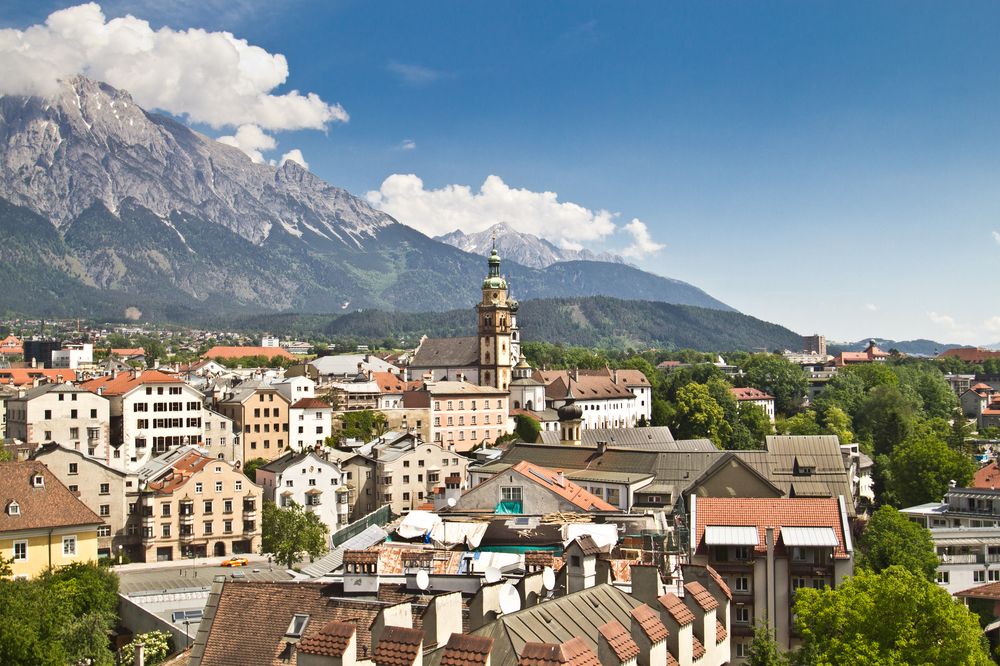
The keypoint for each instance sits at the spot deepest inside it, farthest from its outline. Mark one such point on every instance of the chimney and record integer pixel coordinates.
(576, 374)
(400, 646)
(442, 618)
(614, 375)
(530, 589)
(561, 479)
(34, 362)
(400, 615)
(581, 563)
(466, 649)
(485, 605)
(647, 586)
(615, 646)
(678, 620)
(649, 634)
(139, 654)
(602, 448)
(336, 644)
(703, 606)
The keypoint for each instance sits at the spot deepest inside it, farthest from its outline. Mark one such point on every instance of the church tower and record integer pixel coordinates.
(496, 313)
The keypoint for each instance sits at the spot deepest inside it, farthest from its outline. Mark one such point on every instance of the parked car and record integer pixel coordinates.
(235, 562)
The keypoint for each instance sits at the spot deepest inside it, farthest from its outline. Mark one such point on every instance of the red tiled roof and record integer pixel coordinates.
(27, 376)
(619, 640)
(697, 649)
(720, 632)
(330, 641)
(51, 505)
(987, 477)
(574, 652)
(243, 352)
(585, 386)
(310, 403)
(969, 354)
(183, 468)
(750, 393)
(587, 545)
(702, 596)
(770, 512)
(127, 381)
(563, 487)
(399, 646)
(128, 351)
(988, 591)
(466, 650)
(681, 613)
(981, 387)
(650, 623)
(390, 382)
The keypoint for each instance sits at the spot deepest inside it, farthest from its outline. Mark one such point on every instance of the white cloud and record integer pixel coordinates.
(208, 77)
(642, 243)
(294, 155)
(942, 320)
(451, 207)
(992, 324)
(251, 140)
(414, 75)
(407, 144)
(996, 237)
(871, 307)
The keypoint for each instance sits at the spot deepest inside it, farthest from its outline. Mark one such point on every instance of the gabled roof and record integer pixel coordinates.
(987, 477)
(460, 352)
(390, 383)
(969, 354)
(183, 469)
(25, 376)
(750, 393)
(558, 386)
(243, 352)
(763, 513)
(563, 487)
(44, 389)
(653, 438)
(330, 641)
(730, 458)
(128, 381)
(702, 597)
(279, 465)
(650, 623)
(45, 507)
(465, 650)
(672, 604)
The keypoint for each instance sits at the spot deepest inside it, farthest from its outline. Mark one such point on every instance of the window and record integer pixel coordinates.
(165, 509)
(69, 546)
(198, 488)
(74, 433)
(13, 509)
(208, 527)
(742, 552)
(942, 577)
(165, 530)
(742, 650)
(105, 489)
(208, 507)
(20, 551)
(105, 510)
(74, 488)
(218, 486)
(297, 626)
(227, 506)
(93, 413)
(104, 531)
(978, 576)
(742, 615)
(72, 414)
(227, 526)
(741, 584)
(994, 575)
(510, 493)
(239, 486)
(73, 468)
(48, 414)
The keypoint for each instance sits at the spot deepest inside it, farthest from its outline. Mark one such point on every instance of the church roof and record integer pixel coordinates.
(447, 353)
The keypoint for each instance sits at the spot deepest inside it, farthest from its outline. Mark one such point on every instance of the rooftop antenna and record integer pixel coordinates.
(492, 575)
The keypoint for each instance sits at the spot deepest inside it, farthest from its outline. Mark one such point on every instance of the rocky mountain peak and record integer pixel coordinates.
(523, 248)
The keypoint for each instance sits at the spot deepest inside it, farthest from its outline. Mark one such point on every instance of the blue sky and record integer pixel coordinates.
(830, 166)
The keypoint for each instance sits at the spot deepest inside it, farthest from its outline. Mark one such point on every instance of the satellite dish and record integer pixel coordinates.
(548, 578)
(423, 579)
(452, 502)
(510, 600)
(492, 575)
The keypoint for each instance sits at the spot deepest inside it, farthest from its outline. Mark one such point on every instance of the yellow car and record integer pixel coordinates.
(235, 562)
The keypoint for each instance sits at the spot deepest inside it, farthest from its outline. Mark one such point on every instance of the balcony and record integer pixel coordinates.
(967, 558)
(186, 536)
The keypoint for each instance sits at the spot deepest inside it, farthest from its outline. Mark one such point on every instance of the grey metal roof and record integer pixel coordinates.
(654, 438)
(460, 352)
(808, 536)
(608, 477)
(729, 535)
(556, 621)
(333, 560)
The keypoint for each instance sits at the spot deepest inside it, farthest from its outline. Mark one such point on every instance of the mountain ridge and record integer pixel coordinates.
(523, 248)
(134, 209)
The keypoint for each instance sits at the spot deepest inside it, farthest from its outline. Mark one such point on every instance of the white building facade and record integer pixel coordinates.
(310, 481)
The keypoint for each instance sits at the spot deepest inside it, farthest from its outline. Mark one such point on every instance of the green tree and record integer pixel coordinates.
(837, 422)
(156, 647)
(291, 530)
(697, 414)
(784, 380)
(803, 423)
(886, 417)
(921, 468)
(889, 618)
(751, 429)
(250, 467)
(893, 539)
(527, 428)
(364, 425)
(764, 650)
(846, 390)
(929, 385)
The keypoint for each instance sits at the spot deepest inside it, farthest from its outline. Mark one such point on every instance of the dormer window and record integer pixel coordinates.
(297, 626)
(37, 481)
(13, 509)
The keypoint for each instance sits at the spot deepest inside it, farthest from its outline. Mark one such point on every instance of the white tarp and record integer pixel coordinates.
(502, 561)
(604, 535)
(417, 523)
(809, 536)
(447, 534)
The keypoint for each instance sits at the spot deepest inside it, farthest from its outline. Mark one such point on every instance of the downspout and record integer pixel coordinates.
(51, 530)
